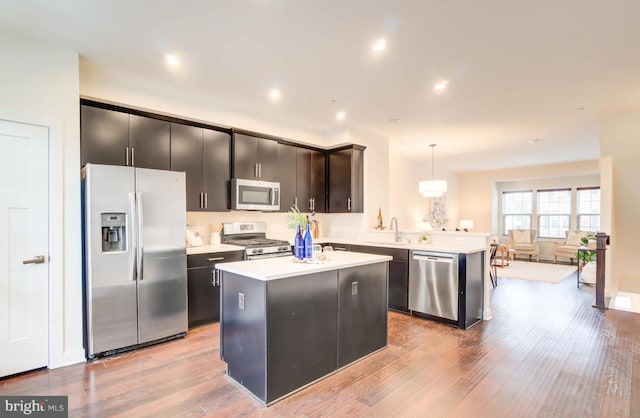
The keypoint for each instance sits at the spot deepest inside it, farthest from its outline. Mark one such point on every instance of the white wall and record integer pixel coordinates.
(620, 140)
(40, 86)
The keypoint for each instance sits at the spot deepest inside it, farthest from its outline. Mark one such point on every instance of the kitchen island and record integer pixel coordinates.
(286, 324)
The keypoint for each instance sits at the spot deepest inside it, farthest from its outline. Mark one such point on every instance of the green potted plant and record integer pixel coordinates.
(588, 256)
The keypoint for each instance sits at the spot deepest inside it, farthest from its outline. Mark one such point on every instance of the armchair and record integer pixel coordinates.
(523, 241)
(569, 247)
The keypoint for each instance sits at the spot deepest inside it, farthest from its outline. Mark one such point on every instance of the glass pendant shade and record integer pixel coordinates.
(432, 188)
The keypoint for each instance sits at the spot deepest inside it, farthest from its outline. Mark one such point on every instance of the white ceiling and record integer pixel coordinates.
(517, 70)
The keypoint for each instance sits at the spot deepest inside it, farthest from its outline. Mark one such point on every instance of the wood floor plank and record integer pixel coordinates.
(547, 352)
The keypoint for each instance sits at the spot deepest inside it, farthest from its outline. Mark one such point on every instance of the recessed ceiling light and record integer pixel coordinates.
(274, 94)
(379, 45)
(535, 140)
(581, 108)
(441, 85)
(394, 120)
(341, 115)
(172, 60)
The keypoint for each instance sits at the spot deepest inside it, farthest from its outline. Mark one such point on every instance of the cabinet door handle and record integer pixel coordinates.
(295, 201)
(215, 259)
(255, 170)
(310, 204)
(200, 197)
(126, 156)
(340, 248)
(313, 203)
(349, 204)
(260, 170)
(133, 157)
(206, 200)
(214, 274)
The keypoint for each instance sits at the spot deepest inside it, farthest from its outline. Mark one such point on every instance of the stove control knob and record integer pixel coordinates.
(259, 251)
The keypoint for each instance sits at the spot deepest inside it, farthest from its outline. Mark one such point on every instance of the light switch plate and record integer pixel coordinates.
(241, 300)
(354, 288)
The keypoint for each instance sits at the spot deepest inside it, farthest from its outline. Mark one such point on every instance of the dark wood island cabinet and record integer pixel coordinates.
(285, 325)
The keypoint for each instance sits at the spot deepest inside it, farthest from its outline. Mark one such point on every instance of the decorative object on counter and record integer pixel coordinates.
(317, 251)
(380, 226)
(295, 218)
(315, 229)
(424, 239)
(327, 252)
(215, 234)
(193, 238)
(298, 244)
(308, 242)
(466, 224)
(438, 216)
(432, 188)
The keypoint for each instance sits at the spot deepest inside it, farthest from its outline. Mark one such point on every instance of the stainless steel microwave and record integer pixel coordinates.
(255, 195)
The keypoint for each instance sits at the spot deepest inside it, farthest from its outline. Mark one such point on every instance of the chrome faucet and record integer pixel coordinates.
(397, 233)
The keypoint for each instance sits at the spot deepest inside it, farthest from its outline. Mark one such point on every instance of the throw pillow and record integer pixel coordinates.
(574, 239)
(521, 237)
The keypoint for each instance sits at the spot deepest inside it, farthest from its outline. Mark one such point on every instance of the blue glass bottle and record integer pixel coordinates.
(308, 243)
(298, 245)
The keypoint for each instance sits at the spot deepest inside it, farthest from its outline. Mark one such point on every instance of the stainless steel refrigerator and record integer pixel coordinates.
(135, 262)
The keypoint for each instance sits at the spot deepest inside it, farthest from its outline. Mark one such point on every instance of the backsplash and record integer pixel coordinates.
(334, 225)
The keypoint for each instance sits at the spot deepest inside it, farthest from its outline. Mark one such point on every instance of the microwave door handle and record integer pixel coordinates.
(140, 252)
(134, 237)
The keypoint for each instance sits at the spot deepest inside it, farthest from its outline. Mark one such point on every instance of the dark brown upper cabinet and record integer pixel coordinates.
(346, 172)
(310, 180)
(301, 174)
(287, 174)
(255, 157)
(118, 138)
(204, 155)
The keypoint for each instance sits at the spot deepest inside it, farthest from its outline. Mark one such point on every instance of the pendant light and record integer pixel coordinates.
(432, 188)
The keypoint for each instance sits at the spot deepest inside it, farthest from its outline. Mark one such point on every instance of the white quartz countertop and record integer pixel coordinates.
(218, 248)
(458, 249)
(280, 267)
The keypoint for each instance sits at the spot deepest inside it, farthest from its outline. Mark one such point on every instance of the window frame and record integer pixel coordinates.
(580, 214)
(550, 215)
(505, 231)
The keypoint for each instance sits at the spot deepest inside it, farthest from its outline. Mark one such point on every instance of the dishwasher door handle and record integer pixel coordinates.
(434, 259)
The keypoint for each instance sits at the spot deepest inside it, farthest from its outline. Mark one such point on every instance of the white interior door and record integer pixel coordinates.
(24, 230)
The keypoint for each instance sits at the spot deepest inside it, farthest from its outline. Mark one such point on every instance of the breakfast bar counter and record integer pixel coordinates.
(286, 324)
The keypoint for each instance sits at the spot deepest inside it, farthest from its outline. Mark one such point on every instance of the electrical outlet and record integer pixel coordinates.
(241, 301)
(354, 288)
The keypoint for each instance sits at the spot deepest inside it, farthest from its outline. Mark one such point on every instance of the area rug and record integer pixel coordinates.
(537, 272)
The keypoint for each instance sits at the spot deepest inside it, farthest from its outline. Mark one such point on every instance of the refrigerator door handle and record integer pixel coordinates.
(140, 251)
(134, 237)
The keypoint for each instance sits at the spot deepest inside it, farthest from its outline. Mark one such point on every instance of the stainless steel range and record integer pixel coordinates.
(253, 236)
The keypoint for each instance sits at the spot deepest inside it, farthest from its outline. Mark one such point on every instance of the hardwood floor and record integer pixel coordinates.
(547, 353)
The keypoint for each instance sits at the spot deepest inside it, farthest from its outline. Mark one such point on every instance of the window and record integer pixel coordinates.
(516, 210)
(588, 209)
(554, 212)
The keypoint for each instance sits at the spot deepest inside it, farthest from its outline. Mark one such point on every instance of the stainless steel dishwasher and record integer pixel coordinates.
(433, 284)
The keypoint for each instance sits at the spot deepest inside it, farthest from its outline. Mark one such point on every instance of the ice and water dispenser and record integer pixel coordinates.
(114, 232)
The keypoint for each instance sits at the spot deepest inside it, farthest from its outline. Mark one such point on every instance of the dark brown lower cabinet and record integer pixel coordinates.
(203, 288)
(398, 274)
